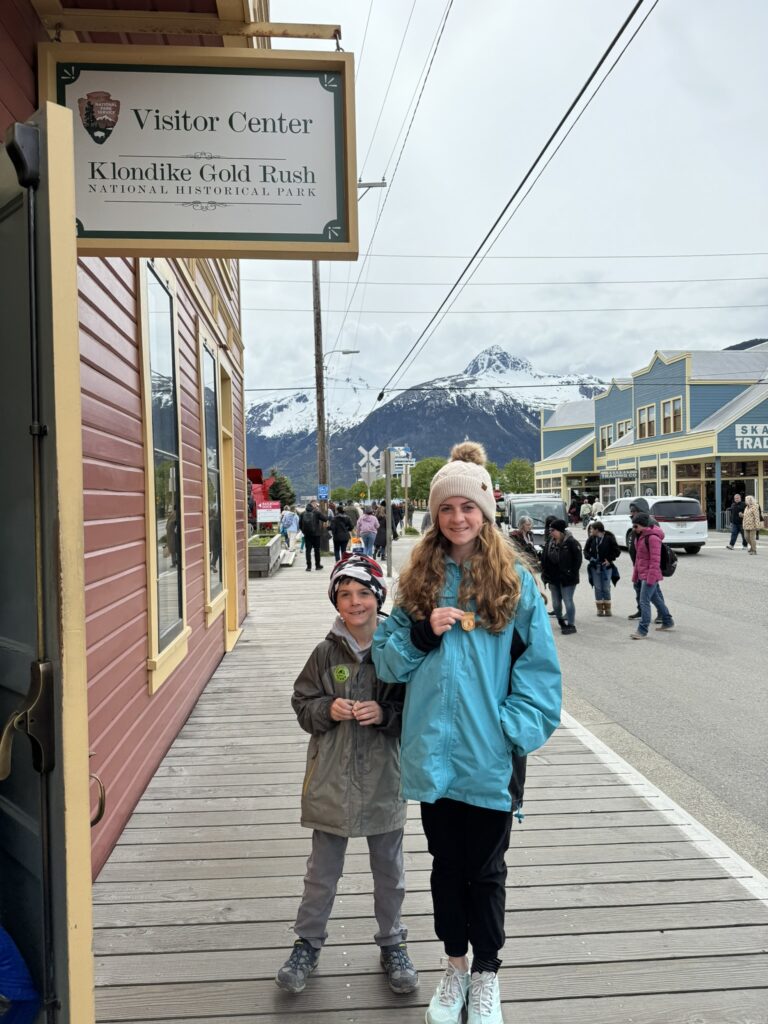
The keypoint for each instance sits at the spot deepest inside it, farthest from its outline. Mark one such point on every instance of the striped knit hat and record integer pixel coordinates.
(364, 570)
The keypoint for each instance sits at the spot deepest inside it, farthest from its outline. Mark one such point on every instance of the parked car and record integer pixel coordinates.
(538, 507)
(682, 519)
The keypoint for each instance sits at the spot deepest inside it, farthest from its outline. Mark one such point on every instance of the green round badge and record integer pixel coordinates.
(341, 673)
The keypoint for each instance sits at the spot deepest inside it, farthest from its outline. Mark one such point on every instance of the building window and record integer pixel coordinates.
(168, 632)
(646, 421)
(166, 461)
(677, 415)
(606, 436)
(212, 472)
(622, 428)
(672, 416)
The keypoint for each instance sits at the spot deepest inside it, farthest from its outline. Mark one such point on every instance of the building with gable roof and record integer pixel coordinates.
(692, 423)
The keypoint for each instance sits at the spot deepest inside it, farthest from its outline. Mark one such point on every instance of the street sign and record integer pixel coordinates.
(268, 512)
(322, 492)
(368, 475)
(405, 476)
(369, 456)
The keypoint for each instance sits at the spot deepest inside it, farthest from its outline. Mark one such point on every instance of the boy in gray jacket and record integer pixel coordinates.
(352, 781)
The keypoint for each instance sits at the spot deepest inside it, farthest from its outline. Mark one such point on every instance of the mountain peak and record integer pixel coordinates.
(495, 359)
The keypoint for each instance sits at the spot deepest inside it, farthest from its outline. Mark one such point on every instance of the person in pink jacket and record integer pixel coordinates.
(367, 527)
(647, 575)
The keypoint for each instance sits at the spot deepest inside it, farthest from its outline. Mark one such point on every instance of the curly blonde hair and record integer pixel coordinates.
(489, 577)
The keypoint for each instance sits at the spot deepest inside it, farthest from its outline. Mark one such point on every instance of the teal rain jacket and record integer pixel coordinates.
(463, 715)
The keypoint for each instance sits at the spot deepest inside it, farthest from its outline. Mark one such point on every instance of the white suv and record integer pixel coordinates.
(682, 520)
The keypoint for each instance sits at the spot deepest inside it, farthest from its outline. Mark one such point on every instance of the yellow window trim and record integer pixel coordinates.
(160, 664)
(214, 608)
(168, 660)
(670, 402)
(206, 345)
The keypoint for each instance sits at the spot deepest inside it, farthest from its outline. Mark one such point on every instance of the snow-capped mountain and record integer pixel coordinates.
(495, 400)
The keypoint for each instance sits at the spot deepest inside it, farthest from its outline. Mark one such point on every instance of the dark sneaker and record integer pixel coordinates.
(292, 976)
(401, 974)
(665, 629)
(567, 629)
(634, 615)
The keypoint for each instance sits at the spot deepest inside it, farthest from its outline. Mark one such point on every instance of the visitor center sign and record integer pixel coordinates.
(209, 152)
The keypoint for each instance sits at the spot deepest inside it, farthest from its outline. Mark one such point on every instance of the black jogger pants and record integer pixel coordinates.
(468, 875)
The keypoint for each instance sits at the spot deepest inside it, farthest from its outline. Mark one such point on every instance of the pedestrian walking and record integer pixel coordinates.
(523, 540)
(352, 780)
(601, 551)
(560, 565)
(597, 507)
(289, 526)
(311, 524)
(751, 522)
(647, 575)
(426, 522)
(573, 512)
(380, 544)
(341, 531)
(367, 525)
(469, 635)
(637, 506)
(736, 512)
(585, 512)
(353, 511)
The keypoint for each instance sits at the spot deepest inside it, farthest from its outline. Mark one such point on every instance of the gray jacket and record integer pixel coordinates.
(352, 780)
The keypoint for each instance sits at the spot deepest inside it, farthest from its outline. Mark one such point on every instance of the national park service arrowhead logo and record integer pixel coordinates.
(99, 114)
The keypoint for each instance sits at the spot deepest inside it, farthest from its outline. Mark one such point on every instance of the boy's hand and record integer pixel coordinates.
(341, 710)
(442, 619)
(367, 712)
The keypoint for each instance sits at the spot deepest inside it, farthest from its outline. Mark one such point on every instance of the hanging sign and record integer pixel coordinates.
(196, 151)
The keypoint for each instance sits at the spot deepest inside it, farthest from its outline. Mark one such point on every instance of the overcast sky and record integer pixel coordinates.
(669, 159)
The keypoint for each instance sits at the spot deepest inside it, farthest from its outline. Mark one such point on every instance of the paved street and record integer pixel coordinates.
(687, 709)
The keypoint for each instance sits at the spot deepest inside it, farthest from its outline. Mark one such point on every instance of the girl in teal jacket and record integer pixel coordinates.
(471, 637)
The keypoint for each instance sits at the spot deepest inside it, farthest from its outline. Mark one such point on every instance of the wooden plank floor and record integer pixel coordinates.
(613, 913)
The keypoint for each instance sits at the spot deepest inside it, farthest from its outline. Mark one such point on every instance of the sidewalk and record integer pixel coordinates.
(620, 908)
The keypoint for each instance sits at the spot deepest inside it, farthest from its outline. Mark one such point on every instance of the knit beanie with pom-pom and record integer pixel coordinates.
(465, 476)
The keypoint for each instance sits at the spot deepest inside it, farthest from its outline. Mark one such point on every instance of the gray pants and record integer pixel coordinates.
(324, 869)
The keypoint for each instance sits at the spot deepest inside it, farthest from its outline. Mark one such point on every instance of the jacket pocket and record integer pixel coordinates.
(309, 773)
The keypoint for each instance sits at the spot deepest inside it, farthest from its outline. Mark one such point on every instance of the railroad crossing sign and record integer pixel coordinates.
(369, 460)
(368, 475)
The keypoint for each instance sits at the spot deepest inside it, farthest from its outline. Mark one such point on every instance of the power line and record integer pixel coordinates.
(563, 256)
(389, 86)
(511, 312)
(362, 45)
(530, 187)
(394, 173)
(514, 284)
(300, 388)
(516, 192)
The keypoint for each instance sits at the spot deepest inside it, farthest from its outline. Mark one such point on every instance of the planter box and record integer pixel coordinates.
(265, 560)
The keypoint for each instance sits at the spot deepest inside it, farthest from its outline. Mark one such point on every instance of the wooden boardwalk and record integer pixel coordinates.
(614, 912)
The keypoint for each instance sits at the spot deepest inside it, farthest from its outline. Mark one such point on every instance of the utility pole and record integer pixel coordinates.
(322, 441)
(323, 467)
(386, 457)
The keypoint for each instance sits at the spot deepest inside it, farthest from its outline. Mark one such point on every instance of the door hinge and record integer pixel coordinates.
(35, 718)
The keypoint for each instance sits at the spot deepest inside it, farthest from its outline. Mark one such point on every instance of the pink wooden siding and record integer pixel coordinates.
(129, 729)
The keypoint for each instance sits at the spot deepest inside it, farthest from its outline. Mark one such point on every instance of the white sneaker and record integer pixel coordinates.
(484, 999)
(447, 1004)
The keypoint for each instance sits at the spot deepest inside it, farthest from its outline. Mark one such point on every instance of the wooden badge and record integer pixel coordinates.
(468, 621)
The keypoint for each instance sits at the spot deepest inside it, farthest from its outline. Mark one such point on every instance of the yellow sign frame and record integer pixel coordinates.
(52, 56)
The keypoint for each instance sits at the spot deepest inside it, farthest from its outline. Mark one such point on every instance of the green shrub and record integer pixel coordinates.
(411, 531)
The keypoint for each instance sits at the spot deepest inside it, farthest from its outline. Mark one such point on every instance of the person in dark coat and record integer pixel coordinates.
(341, 531)
(311, 524)
(601, 551)
(560, 565)
(380, 544)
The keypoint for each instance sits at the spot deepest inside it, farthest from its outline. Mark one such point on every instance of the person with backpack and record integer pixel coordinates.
(470, 638)
(311, 526)
(647, 575)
